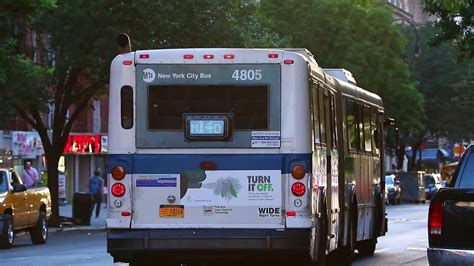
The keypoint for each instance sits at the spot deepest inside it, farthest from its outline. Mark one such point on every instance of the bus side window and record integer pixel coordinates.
(375, 131)
(360, 126)
(333, 118)
(367, 133)
(126, 107)
(322, 114)
(315, 114)
(351, 124)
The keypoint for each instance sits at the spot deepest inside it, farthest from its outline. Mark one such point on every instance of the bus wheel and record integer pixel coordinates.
(367, 247)
(322, 230)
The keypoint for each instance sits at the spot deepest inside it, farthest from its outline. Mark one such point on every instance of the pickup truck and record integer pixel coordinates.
(451, 218)
(22, 209)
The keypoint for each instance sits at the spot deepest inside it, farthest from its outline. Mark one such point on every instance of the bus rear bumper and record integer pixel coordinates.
(125, 245)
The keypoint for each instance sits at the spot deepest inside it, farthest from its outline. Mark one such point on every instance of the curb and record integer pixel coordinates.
(80, 228)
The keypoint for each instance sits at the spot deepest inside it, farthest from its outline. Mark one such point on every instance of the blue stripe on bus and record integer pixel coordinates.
(155, 183)
(176, 163)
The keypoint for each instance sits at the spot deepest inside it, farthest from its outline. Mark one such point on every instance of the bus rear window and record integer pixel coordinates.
(248, 104)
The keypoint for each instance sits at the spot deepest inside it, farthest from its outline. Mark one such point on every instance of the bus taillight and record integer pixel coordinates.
(228, 56)
(144, 56)
(188, 56)
(208, 56)
(298, 172)
(272, 55)
(118, 172)
(298, 189)
(118, 189)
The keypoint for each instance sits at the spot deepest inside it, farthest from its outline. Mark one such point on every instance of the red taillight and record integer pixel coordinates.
(118, 172)
(188, 56)
(208, 165)
(272, 55)
(289, 61)
(144, 56)
(291, 213)
(228, 56)
(435, 219)
(118, 189)
(298, 172)
(298, 189)
(126, 213)
(208, 56)
(127, 62)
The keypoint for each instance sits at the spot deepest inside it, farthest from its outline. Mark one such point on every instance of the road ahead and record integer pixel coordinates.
(405, 244)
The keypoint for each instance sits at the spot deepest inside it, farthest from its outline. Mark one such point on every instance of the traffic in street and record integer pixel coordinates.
(405, 244)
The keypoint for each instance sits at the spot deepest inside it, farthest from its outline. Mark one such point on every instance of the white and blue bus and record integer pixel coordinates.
(241, 153)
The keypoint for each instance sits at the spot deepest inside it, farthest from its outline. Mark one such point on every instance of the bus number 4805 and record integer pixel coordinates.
(250, 74)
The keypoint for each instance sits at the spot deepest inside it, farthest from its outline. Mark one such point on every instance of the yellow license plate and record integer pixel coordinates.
(173, 211)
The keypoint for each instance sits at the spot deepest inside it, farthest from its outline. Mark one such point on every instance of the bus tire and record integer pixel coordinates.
(323, 238)
(367, 247)
(347, 252)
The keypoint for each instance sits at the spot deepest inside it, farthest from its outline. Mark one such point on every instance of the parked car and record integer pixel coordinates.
(392, 189)
(451, 218)
(22, 209)
(432, 184)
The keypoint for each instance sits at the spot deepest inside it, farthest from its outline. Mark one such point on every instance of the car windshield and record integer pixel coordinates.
(389, 180)
(3, 182)
(429, 180)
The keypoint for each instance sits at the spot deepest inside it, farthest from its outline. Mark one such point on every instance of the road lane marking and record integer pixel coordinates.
(381, 250)
(417, 249)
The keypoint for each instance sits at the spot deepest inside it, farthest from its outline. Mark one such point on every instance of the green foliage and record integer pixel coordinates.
(455, 24)
(446, 86)
(21, 81)
(360, 38)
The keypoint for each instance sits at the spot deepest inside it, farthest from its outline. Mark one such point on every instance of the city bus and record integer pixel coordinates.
(241, 153)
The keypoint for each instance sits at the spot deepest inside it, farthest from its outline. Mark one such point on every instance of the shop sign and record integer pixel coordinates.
(83, 144)
(26, 144)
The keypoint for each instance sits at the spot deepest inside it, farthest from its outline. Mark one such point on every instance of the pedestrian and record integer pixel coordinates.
(30, 175)
(96, 188)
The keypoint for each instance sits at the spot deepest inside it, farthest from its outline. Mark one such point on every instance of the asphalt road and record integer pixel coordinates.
(405, 244)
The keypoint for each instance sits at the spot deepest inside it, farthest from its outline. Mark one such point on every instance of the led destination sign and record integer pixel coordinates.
(207, 126)
(214, 127)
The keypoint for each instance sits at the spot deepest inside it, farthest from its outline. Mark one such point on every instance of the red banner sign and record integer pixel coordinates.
(83, 144)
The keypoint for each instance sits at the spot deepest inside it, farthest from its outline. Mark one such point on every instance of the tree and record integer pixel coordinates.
(359, 37)
(446, 86)
(81, 36)
(454, 24)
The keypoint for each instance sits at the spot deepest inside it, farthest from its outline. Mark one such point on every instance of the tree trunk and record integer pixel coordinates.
(52, 164)
(414, 157)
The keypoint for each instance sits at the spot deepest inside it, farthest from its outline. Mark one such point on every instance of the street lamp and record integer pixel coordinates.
(417, 40)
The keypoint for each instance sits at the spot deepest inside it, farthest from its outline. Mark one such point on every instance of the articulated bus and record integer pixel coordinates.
(241, 153)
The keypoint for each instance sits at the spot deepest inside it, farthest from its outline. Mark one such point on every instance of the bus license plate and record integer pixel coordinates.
(173, 211)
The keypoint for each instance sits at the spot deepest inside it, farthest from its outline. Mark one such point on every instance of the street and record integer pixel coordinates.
(405, 244)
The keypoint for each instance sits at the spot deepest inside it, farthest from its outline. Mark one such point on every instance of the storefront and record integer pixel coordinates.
(82, 155)
(27, 146)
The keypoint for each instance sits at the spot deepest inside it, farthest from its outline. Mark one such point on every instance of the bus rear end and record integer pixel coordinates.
(197, 163)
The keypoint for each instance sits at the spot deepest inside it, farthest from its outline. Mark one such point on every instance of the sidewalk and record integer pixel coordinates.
(96, 223)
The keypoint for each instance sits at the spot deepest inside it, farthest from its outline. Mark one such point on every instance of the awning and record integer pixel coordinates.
(430, 154)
